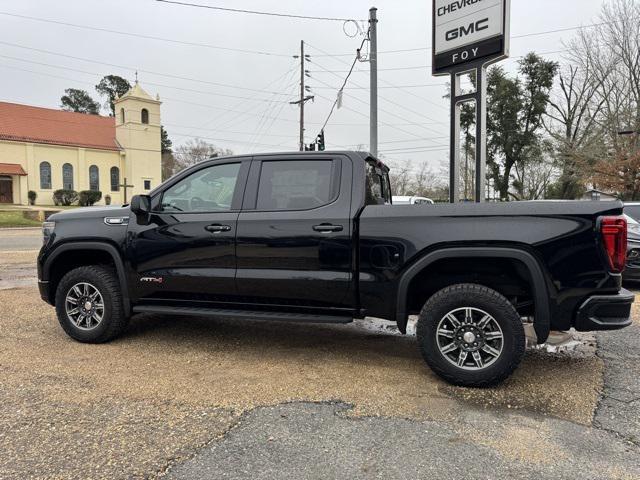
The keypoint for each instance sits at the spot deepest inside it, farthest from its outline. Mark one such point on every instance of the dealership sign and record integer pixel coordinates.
(469, 31)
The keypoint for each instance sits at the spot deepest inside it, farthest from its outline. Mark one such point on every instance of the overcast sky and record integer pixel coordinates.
(250, 113)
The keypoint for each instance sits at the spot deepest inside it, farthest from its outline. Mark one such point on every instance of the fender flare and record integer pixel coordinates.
(542, 322)
(105, 247)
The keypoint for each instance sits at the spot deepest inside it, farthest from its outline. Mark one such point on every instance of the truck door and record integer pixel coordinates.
(294, 242)
(187, 251)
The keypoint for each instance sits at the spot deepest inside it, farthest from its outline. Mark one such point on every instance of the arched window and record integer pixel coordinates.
(144, 115)
(122, 115)
(115, 179)
(45, 176)
(94, 178)
(67, 176)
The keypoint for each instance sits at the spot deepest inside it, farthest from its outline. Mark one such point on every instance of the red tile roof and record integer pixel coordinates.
(24, 123)
(11, 169)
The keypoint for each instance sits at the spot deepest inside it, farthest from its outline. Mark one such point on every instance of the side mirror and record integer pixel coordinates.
(141, 206)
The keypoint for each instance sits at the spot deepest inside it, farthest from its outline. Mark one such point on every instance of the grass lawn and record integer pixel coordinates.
(15, 219)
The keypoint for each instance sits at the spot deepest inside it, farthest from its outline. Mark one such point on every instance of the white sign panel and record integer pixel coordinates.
(468, 30)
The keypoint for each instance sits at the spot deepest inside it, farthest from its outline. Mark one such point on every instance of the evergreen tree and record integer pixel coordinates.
(75, 100)
(112, 86)
(516, 107)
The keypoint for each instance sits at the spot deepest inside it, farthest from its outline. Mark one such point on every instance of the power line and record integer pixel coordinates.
(124, 67)
(524, 35)
(219, 120)
(427, 67)
(387, 153)
(386, 100)
(199, 104)
(257, 12)
(147, 37)
(395, 127)
(420, 148)
(421, 85)
(203, 92)
(339, 94)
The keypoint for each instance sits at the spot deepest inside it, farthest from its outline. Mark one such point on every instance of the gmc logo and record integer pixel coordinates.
(464, 31)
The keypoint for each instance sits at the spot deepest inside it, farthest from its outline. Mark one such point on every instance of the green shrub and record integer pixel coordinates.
(89, 197)
(32, 197)
(107, 199)
(65, 197)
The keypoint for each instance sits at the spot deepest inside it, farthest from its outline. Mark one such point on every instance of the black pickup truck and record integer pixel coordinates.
(313, 237)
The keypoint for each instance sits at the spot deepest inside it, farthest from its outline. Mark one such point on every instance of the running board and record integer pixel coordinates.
(242, 314)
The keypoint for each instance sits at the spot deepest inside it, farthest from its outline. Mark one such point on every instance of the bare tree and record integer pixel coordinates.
(196, 150)
(533, 177)
(423, 180)
(573, 125)
(400, 178)
(611, 52)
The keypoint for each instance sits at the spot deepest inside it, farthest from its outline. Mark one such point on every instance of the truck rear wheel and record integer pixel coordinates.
(89, 304)
(470, 335)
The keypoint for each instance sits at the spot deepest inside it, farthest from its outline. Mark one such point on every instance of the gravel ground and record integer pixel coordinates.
(170, 386)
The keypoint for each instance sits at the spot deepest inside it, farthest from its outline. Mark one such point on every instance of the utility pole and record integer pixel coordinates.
(373, 65)
(303, 98)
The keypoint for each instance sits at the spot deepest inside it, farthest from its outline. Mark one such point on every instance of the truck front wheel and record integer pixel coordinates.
(470, 335)
(89, 304)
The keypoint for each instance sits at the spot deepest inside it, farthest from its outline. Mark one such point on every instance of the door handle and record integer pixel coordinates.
(216, 228)
(327, 227)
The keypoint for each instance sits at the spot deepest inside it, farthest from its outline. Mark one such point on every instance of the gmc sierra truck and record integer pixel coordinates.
(314, 237)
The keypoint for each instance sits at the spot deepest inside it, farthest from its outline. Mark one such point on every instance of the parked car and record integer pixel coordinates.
(632, 270)
(632, 209)
(313, 237)
(402, 200)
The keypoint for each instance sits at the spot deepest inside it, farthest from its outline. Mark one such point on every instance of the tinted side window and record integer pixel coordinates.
(378, 191)
(295, 184)
(207, 190)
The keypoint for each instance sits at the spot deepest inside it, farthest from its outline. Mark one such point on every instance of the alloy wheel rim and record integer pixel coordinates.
(84, 306)
(470, 338)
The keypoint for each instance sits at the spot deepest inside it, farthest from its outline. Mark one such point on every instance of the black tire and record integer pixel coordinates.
(113, 321)
(476, 297)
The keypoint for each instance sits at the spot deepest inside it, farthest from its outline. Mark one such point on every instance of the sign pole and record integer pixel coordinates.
(481, 132)
(454, 144)
(467, 37)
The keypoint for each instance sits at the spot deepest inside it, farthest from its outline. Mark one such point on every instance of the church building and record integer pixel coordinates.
(44, 150)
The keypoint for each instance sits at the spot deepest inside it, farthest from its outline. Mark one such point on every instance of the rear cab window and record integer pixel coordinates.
(378, 188)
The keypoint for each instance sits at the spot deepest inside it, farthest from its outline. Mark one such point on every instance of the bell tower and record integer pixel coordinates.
(138, 133)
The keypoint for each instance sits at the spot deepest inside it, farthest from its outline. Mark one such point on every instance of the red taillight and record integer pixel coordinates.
(614, 239)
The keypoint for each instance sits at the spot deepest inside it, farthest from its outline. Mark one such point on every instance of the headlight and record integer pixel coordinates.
(47, 230)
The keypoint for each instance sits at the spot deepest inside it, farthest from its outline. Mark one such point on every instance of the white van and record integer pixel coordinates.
(412, 201)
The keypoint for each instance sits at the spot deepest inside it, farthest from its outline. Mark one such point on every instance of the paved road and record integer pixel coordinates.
(619, 410)
(22, 239)
(316, 441)
(19, 249)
